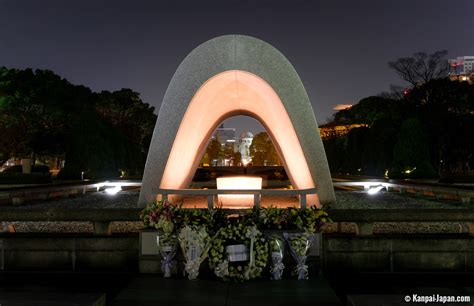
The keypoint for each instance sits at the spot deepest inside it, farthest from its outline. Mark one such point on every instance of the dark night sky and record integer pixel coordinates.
(339, 48)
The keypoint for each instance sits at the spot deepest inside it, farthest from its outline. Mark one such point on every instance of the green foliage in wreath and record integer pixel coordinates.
(238, 233)
(170, 218)
(292, 218)
(211, 219)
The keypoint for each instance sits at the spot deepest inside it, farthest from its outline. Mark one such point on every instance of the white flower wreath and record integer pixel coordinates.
(252, 238)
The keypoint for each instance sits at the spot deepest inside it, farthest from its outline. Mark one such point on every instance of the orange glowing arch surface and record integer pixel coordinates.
(228, 94)
(227, 76)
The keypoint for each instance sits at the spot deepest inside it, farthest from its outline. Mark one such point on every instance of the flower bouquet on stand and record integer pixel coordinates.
(277, 249)
(195, 243)
(168, 246)
(299, 244)
(160, 215)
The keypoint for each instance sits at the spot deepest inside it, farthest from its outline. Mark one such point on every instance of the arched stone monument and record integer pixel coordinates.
(227, 76)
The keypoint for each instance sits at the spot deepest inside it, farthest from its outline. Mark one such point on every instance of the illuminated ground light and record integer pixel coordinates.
(238, 183)
(110, 188)
(113, 190)
(375, 189)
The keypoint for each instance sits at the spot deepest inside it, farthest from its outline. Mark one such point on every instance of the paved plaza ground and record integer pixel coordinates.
(133, 289)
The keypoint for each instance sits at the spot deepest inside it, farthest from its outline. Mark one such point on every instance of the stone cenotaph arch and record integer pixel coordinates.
(227, 76)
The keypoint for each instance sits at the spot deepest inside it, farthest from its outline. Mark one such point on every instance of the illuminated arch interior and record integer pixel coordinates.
(228, 94)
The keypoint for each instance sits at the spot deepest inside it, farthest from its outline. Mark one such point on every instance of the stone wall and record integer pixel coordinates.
(69, 252)
(409, 253)
(341, 253)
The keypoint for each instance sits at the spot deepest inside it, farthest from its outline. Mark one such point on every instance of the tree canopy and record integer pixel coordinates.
(97, 133)
(263, 152)
(369, 110)
(421, 67)
(429, 128)
(214, 151)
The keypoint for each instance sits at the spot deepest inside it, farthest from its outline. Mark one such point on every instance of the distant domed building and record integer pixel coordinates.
(244, 147)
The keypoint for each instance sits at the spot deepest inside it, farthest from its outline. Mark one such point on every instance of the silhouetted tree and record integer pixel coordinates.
(134, 120)
(446, 109)
(421, 67)
(213, 151)
(45, 115)
(39, 105)
(411, 152)
(262, 151)
(236, 159)
(228, 151)
(396, 92)
(368, 110)
(438, 134)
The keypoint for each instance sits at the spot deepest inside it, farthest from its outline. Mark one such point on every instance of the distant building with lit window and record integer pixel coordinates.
(224, 135)
(461, 65)
(462, 69)
(334, 130)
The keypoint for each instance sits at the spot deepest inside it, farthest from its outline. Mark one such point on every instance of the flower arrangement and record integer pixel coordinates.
(164, 216)
(277, 250)
(168, 246)
(230, 239)
(160, 215)
(195, 243)
(211, 219)
(299, 244)
(233, 236)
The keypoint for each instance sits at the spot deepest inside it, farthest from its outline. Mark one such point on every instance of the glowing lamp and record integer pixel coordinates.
(238, 183)
(408, 171)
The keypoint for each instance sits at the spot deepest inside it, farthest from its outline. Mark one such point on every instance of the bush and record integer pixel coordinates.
(424, 170)
(14, 169)
(23, 178)
(396, 173)
(34, 169)
(40, 169)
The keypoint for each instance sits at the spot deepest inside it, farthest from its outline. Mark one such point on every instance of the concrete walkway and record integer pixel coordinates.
(24, 288)
(154, 290)
(107, 288)
(101, 289)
